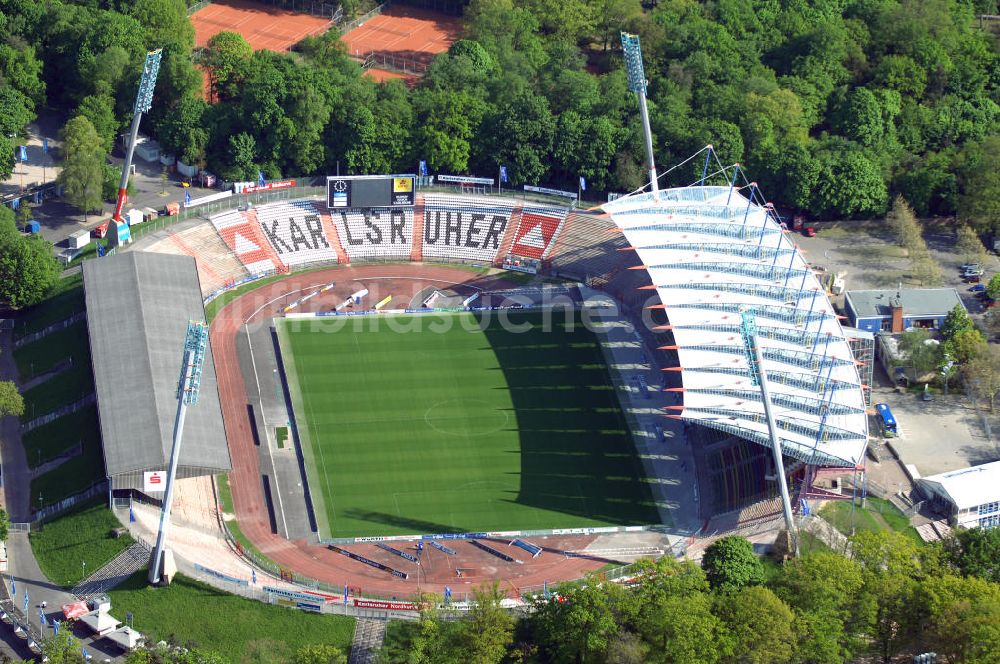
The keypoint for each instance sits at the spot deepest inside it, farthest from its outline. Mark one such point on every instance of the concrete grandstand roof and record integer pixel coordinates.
(138, 308)
(711, 253)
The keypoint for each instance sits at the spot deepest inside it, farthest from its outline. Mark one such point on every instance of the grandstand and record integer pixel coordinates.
(537, 231)
(714, 255)
(217, 265)
(295, 232)
(245, 239)
(376, 233)
(465, 227)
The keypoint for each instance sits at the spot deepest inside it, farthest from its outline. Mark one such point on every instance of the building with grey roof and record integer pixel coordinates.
(138, 308)
(896, 310)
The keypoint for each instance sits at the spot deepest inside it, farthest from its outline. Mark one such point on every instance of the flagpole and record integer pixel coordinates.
(500, 181)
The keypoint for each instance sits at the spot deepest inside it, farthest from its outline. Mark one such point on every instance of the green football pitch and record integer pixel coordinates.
(439, 423)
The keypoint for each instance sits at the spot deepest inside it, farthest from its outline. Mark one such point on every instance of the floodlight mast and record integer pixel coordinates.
(748, 330)
(143, 102)
(637, 84)
(188, 388)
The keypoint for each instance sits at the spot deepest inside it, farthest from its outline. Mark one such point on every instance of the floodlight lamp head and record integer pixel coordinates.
(195, 342)
(633, 63)
(150, 70)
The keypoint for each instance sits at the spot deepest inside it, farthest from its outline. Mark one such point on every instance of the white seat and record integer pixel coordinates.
(465, 227)
(375, 233)
(295, 231)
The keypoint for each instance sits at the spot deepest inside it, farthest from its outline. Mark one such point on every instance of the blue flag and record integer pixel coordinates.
(128, 618)
(13, 587)
(447, 595)
(25, 599)
(15, 203)
(345, 594)
(422, 168)
(55, 626)
(503, 174)
(253, 576)
(86, 655)
(100, 254)
(24, 153)
(260, 178)
(187, 198)
(583, 183)
(545, 589)
(131, 512)
(41, 618)
(45, 145)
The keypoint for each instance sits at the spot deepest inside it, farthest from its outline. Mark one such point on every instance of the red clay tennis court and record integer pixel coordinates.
(409, 32)
(263, 26)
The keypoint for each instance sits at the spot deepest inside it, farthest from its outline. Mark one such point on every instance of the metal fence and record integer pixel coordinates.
(198, 6)
(392, 62)
(355, 22)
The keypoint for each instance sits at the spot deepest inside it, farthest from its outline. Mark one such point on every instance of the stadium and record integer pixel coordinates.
(530, 389)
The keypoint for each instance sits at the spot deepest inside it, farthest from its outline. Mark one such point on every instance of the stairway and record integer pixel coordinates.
(417, 248)
(369, 633)
(121, 567)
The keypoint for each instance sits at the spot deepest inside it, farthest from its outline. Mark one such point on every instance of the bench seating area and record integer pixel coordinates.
(376, 233)
(217, 265)
(245, 240)
(537, 231)
(465, 227)
(588, 249)
(295, 232)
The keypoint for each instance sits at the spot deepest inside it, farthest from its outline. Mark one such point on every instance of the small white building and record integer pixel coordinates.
(971, 496)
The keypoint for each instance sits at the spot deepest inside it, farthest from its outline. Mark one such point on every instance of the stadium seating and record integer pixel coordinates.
(587, 249)
(538, 228)
(216, 263)
(376, 233)
(295, 232)
(244, 237)
(465, 228)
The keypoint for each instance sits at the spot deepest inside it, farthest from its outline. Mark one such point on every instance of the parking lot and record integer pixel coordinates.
(948, 432)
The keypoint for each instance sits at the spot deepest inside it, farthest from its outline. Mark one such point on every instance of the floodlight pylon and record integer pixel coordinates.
(637, 84)
(188, 387)
(143, 102)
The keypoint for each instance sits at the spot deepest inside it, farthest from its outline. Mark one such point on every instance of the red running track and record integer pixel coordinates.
(317, 562)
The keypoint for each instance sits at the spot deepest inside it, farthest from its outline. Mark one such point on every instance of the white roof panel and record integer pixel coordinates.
(712, 254)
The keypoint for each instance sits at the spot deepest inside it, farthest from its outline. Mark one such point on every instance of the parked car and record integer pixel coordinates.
(972, 278)
(978, 271)
(978, 288)
(965, 267)
(809, 231)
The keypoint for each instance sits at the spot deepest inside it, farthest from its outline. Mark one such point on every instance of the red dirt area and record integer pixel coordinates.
(410, 33)
(469, 566)
(263, 26)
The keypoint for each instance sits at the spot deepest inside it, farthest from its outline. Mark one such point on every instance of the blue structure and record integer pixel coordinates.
(899, 310)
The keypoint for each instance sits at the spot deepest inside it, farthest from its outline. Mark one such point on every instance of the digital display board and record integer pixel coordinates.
(370, 191)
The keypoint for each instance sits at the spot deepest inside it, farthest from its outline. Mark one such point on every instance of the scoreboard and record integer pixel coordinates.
(370, 191)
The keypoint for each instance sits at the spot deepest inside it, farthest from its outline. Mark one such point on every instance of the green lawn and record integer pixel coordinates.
(62, 545)
(60, 390)
(69, 478)
(879, 514)
(195, 613)
(42, 355)
(50, 440)
(409, 427)
(65, 300)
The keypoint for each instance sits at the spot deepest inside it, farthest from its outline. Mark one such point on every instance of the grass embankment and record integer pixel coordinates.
(50, 440)
(192, 612)
(424, 424)
(878, 514)
(81, 535)
(65, 300)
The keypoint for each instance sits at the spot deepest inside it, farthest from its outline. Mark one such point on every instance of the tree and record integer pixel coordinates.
(903, 224)
(761, 625)
(731, 564)
(980, 202)
(975, 552)
(960, 617)
(11, 401)
(226, 56)
(63, 649)
(580, 625)
(957, 320)
(319, 654)
(100, 110)
(4, 525)
(982, 372)
(993, 287)
(627, 648)
(923, 353)
(970, 248)
(28, 269)
(83, 165)
(489, 630)
(16, 111)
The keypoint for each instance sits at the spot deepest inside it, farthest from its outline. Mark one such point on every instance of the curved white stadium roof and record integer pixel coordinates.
(711, 254)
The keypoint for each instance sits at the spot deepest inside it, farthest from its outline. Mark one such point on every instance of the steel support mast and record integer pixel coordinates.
(187, 394)
(748, 330)
(143, 102)
(637, 84)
